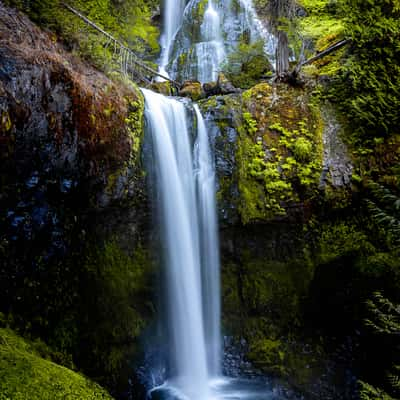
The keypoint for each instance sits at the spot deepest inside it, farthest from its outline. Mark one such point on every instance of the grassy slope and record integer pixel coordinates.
(25, 375)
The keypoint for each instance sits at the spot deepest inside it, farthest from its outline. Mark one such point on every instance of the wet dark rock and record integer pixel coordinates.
(221, 87)
(337, 164)
(235, 363)
(225, 86)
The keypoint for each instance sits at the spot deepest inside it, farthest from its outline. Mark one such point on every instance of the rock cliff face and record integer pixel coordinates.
(281, 164)
(69, 118)
(73, 208)
(278, 155)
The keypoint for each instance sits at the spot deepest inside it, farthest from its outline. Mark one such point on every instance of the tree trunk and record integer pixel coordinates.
(281, 13)
(282, 55)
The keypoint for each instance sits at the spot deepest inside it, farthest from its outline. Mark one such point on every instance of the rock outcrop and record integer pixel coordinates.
(278, 154)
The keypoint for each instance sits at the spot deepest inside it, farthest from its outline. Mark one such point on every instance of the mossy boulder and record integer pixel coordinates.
(26, 375)
(192, 89)
(273, 177)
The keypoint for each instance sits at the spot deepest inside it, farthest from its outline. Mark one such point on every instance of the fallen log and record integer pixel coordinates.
(336, 46)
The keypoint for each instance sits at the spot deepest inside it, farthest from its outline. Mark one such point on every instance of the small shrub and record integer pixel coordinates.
(302, 149)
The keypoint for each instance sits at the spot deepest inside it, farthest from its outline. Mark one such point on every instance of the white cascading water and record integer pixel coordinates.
(209, 246)
(198, 51)
(210, 51)
(186, 187)
(172, 21)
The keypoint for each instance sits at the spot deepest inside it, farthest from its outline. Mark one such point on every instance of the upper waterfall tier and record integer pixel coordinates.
(211, 30)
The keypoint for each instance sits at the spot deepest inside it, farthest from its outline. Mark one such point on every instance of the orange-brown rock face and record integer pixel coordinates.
(61, 116)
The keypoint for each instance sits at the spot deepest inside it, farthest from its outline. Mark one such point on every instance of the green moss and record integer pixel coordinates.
(198, 13)
(280, 151)
(135, 119)
(116, 307)
(134, 128)
(165, 88)
(321, 19)
(192, 89)
(302, 149)
(263, 301)
(25, 375)
(248, 64)
(268, 354)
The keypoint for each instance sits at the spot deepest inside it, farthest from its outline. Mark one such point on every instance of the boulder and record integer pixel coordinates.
(192, 89)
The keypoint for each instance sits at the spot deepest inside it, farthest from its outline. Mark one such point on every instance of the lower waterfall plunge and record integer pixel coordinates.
(185, 180)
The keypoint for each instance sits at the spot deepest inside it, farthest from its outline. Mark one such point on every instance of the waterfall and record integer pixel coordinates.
(210, 50)
(186, 186)
(205, 32)
(172, 20)
(209, 246)
(186, 199)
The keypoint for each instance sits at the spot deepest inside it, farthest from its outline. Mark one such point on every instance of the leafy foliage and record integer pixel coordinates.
(368, 392)
(369, 90)
(385, 210)
(383, 322)
(384, 316)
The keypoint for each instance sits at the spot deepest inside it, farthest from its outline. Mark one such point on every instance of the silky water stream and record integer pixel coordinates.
(185, 196)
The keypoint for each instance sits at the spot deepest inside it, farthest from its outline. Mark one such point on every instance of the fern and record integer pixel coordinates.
(385, 316)
(384, 209)
(384, 321)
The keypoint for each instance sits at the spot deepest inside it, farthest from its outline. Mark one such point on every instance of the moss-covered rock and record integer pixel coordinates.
(164, 88)
(277, 121)
(282, 162)
(192, 89)
(26, 375)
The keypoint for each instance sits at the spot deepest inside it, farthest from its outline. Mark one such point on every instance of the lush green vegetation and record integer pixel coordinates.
(369, 90)
(128, 21)
(88, 307)
(351, 282)
(27, 373)
(279, 155)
